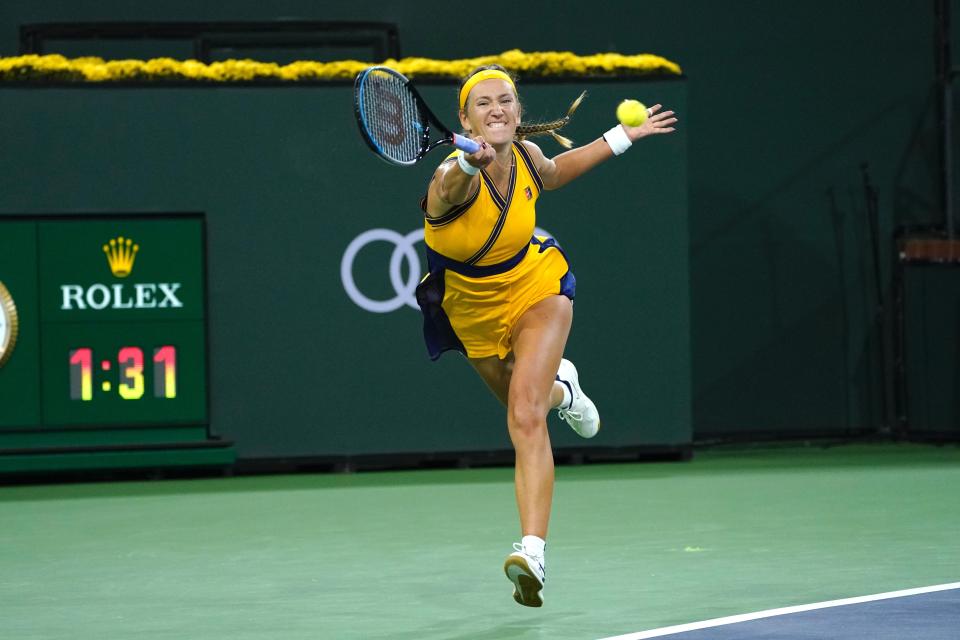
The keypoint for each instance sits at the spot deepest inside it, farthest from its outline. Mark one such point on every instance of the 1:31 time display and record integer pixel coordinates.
(130, 368)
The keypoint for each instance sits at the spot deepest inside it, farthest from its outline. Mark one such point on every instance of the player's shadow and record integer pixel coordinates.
(533, 629)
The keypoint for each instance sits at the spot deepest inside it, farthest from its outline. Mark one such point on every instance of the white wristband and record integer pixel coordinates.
(466, 167)
(618, 140)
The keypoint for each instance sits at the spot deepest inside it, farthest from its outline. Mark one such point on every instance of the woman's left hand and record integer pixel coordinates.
(656, 122)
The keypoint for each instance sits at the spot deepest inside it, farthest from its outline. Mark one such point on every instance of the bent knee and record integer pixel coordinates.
(527, 419)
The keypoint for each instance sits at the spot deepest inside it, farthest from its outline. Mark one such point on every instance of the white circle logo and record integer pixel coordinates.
(403, 250)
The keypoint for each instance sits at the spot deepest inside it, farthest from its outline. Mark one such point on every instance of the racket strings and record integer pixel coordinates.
(391, 117)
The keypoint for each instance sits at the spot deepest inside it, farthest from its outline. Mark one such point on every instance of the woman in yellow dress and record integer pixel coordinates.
(503, 297)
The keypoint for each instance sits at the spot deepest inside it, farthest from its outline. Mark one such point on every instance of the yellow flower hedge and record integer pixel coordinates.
(56, 68)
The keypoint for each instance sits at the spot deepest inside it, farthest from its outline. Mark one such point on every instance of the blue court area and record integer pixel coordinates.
(931, 614)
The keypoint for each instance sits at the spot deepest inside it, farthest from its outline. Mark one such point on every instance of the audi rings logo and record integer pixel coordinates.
(404, 249)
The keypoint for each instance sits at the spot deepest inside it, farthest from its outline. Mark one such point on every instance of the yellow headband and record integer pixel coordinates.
(480, 76)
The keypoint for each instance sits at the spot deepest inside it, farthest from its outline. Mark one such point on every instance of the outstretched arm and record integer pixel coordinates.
(572, 164)
(451, 186)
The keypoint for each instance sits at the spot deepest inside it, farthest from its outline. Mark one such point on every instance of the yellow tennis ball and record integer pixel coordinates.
(631, 113)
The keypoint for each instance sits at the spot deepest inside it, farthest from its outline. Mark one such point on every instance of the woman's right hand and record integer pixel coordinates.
(451, 185)
(482, 158)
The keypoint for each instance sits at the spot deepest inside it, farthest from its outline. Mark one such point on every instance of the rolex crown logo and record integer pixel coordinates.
(121, 252)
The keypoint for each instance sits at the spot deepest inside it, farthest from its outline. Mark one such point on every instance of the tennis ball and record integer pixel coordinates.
(631, 113)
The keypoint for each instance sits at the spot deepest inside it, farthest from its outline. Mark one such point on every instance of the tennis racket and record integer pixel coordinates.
(394, 120)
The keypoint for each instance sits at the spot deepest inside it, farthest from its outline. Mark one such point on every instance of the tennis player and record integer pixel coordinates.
(504, 297)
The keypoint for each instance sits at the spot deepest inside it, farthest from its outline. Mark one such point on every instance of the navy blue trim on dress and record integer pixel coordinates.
(546, 244)
(451, 215)
(568, 283)
(527, 160)
(437, 261)
(454, 213)
(504, 210)
(438, 333)
(494, 192)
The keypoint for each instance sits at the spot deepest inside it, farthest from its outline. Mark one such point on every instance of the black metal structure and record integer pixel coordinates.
(945, 75)
(381, 38)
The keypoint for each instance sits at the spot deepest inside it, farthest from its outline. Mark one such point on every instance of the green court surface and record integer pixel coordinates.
(418, 554)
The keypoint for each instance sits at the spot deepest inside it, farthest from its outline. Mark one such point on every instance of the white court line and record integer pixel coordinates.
(769, 613)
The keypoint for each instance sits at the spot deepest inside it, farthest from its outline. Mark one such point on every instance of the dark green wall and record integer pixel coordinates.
(286, 184)
(20, 393)
(931, 349)
(787, 100)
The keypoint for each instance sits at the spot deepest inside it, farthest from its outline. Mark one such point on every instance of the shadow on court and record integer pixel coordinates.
(479, 628)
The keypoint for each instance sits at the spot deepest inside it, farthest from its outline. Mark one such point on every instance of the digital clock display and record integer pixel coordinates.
(139, 371)
(130, 373)
(117, 331)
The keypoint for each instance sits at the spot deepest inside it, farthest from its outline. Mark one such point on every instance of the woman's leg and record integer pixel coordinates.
(539, 338)
(525, 382)
(496, 373)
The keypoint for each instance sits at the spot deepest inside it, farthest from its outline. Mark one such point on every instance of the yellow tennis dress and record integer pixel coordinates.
(486, 267)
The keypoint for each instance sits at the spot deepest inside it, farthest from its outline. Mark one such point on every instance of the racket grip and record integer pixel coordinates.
(465, 144)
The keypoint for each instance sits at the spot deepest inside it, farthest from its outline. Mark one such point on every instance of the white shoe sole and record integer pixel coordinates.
(526, 586)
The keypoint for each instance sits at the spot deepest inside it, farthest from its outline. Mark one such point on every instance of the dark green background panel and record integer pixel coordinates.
(286, 184)
(169, 252)
(20, 376)
(44, 386)
(787, 102)
(932, 348)
(107, 407)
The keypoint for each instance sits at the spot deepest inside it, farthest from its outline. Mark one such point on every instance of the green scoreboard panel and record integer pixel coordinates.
(110, 316)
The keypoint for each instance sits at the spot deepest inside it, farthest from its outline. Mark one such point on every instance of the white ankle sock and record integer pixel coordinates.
(567, 398)
(534, 545)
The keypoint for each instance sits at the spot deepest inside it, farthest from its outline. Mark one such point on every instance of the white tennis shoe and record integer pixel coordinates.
(581, 414)
(525, 571)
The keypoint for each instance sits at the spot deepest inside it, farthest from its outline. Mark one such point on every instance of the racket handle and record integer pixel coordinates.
(465, 144)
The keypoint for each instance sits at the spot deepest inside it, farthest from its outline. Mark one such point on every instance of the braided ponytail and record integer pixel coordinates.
(543, 128)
